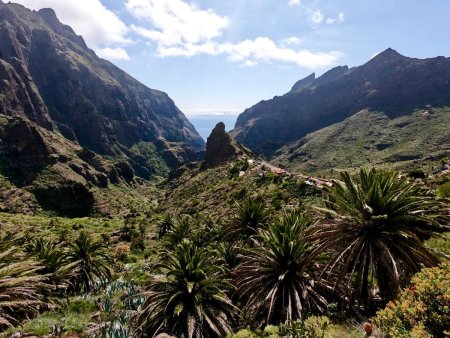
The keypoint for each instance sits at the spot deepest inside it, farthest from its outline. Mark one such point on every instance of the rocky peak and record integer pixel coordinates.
(300, 84)
(389, 55)
(49, 16)
(219, 147)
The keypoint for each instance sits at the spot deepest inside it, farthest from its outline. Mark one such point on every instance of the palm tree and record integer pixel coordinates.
(277, 278)
(181, 230)
(54, 261)
(20, 287)
(165, 225)
(250, 216)
(190, 301)
(376, 229)
(92, 261)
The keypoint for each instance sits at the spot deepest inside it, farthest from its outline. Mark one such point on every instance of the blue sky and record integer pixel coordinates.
(215, 56)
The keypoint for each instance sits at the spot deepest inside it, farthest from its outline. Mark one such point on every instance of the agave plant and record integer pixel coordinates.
(376, 230)
(191, 300)
(277, 278)
(19, 287)
(250, 216)
(92, 261)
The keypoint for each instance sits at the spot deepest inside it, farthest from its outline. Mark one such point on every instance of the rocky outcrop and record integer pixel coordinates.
(389, 83)
(219, 147)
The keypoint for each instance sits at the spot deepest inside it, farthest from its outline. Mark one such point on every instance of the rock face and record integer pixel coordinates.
(49, 76)
(72, 119)
(219, 147)
(389, 83)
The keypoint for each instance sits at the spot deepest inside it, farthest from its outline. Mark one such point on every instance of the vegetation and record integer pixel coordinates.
(91, 260)
(422, 309)
(237, 269)
(19, 287)
(376, 230)
(191, 300)
(250, 216)
(416, 141)
(277, 278)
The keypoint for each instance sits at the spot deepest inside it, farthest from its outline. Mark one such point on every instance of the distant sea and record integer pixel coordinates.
(205, 123)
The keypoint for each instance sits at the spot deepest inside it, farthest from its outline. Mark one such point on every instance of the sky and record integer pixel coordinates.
(216, 57)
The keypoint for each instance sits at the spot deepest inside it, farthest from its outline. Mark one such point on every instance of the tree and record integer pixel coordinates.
(54, 261)
(191, 300)
(249, 217)
(165, 226)
(375, 229)
(92, 261)
(277, 278)
(20, 287)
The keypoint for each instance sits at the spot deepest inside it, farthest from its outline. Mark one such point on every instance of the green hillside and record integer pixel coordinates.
(373, 139)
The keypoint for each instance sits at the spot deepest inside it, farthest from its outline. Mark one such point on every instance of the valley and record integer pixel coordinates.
(324, 212)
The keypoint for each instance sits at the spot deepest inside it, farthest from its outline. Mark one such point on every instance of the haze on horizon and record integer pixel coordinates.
(224, 56)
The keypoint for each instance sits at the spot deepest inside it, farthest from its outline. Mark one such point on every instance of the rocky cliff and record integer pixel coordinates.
(219, 147)
(390, 83)
(65, 111)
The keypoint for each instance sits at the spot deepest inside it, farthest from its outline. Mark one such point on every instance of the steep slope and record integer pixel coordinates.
(50, 77)
(389, 83)
(373, 139)
(70, 121)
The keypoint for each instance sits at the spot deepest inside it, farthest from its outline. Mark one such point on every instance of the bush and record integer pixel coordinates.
(423, 309)
(417, 173)
(444, 189)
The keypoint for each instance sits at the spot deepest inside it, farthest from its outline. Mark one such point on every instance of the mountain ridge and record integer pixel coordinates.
(71, 122)
(389, 82)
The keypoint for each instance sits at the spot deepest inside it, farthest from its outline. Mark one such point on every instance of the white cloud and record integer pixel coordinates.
(340, 18)
(253, 52)
(179, 28)
(91, 19)
(112, 53)
(249, 63)
(263, 49)
(176, 22)
(293, 41)
(317, 17)
(99, 26)
(294, 3)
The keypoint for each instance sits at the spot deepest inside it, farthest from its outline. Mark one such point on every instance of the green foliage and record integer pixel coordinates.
(444, 189)
(181, 230)
(54, 261)
(417, 173)
(423, 309)
(276, 277)
(92, 260)
(250, 216)
(377, 229)
(42, 325)
(20, 286)
(191, 301)
(165, 226)
(81, 305)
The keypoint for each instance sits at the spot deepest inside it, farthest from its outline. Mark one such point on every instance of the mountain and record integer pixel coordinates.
(373, 139)
(390, 83)
(71, 117)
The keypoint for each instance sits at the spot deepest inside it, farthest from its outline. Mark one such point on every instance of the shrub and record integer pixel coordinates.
(417, 173)
(122, 252)
(423, 309)
(444, 189)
